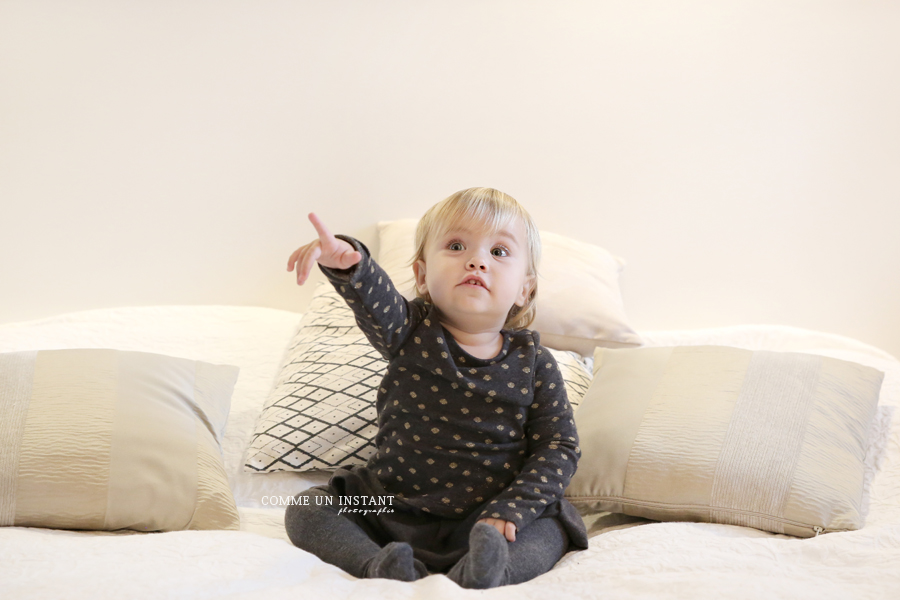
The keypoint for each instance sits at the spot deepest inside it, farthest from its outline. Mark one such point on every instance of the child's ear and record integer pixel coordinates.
(525, 291)
(419, 272)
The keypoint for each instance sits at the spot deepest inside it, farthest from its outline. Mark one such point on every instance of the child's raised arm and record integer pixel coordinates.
(382, 313)
(328, 250)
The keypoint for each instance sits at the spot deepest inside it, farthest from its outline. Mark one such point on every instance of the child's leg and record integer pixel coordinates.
(492, 561)
(340, 541)
(537, 548)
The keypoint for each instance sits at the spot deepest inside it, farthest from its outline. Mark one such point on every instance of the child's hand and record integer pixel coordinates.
(328, 250)
(507, 528)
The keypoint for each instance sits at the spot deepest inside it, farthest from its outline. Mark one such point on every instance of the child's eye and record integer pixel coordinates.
(455, 246)
(500, 251)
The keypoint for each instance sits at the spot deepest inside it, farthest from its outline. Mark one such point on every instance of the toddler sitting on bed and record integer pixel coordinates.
(476, 441)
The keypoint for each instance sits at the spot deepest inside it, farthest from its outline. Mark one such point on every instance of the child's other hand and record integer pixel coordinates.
(507, 528)
(328, 250)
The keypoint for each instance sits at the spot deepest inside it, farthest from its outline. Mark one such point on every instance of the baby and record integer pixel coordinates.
(476, 441)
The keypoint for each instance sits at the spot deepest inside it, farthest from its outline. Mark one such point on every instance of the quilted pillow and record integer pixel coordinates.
(321, 411)
(770, 440)
(106, 439)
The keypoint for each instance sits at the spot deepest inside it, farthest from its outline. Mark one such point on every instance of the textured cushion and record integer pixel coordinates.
(579, 301)
(771, 440)
(105, 439)
(321, 412)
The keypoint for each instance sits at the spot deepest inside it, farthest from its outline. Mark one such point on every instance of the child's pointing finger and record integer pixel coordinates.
(323, 232)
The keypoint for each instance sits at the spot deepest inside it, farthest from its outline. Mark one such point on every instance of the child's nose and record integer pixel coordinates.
(476, 262)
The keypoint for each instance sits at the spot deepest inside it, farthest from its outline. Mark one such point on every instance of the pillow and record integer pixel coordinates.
(770, 440)
(579, 302)
(321, 412)
(104, 439)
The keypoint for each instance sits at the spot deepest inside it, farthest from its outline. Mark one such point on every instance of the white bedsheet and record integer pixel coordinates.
(627, 558)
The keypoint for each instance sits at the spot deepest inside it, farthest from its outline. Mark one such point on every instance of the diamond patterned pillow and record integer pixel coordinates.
(576, 374)
(321, 412)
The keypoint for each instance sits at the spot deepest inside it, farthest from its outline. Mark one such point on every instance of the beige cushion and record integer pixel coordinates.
(579, 300)
(105, 439)
(321, 412)
(770, 440)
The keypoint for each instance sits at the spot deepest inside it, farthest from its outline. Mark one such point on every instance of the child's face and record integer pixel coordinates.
(474, 276)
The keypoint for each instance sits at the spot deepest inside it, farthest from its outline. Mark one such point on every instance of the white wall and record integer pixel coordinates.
(742, 156)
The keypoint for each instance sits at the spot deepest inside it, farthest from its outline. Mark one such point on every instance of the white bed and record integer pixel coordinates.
(627, 558)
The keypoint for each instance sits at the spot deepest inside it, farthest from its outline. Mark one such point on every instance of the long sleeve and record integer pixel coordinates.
(457, 431)
(382, 313)
(552, 453)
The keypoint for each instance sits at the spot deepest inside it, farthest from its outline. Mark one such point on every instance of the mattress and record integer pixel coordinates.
(627, 558)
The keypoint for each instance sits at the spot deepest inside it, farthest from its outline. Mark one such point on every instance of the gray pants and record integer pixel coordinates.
(350, 540)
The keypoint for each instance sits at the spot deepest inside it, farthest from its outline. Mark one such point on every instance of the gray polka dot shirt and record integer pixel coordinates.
(458, 432)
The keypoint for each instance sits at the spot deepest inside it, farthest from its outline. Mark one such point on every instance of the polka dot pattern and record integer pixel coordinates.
(455, 429)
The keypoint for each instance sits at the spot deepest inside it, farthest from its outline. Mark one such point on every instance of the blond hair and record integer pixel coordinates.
(494, 210)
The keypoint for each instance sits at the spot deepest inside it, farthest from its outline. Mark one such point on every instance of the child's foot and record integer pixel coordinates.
(484, 566)
(395, 561)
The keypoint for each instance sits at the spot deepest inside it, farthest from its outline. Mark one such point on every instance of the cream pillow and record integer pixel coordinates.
(105, 439)
(770, 440)
(321, 413)
(579, 301)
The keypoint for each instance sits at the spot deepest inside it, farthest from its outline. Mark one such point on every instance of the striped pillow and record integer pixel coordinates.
(770, 440)
(105, 439)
